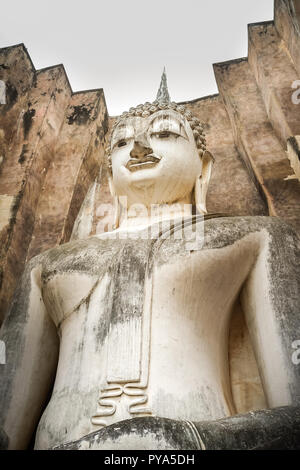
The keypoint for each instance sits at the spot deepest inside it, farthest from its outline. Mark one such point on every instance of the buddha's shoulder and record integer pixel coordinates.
(247, 224)
(86, 255)
(94, 254)
(228, 229)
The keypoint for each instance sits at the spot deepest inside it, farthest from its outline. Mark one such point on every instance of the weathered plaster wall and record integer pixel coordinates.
(77, 156)
(51, 144)
(256, 140)
(287, 19)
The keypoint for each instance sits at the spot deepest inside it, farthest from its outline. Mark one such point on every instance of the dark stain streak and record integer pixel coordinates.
(128, 290)
(27, 121)
(102, 130)
(11, 95)
(80, 115)
(22, 156)
(4, 441)
(294, 144)
(34, 81)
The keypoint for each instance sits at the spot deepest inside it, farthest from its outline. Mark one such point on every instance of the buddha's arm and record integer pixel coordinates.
(271, 302)
(31, 344)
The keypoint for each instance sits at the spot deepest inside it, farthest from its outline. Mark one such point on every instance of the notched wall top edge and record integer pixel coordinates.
(227, 63)
(16, 46)
(44, 69)
(202, 98)
(261, 23)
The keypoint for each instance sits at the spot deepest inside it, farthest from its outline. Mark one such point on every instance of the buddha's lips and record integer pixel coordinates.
(148, 161)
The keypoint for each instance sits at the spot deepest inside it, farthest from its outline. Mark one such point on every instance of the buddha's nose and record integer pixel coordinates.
(140, 148)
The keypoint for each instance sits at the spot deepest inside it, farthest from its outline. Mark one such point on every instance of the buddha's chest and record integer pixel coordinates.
(184, 284)
(132, 317)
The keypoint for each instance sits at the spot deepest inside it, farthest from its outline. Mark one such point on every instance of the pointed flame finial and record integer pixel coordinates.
(163, 93)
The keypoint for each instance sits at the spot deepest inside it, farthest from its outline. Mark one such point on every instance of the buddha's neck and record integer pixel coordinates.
(140, 216)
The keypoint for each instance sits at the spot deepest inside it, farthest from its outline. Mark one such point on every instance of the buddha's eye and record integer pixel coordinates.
(164, 134)
(121, 143)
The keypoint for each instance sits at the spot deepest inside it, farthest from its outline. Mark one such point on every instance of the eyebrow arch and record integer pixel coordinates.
(121, 127)
(165, 117)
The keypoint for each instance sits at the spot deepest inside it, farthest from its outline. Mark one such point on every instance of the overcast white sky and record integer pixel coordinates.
(122, 45)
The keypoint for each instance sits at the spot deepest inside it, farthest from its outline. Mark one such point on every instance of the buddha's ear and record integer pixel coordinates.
(202, 182)
(117, 208)
(111, 186)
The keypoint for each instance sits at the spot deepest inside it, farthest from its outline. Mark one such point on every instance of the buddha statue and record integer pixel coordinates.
(120, 340)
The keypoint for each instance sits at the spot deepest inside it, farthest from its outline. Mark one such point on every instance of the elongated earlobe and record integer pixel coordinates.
(200, 204)
(202, 182)
(117, 206)
(117, 213)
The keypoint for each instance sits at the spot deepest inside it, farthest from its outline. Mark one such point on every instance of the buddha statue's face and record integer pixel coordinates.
(154, 159)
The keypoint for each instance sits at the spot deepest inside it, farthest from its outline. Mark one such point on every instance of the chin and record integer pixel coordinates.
(144, 175)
